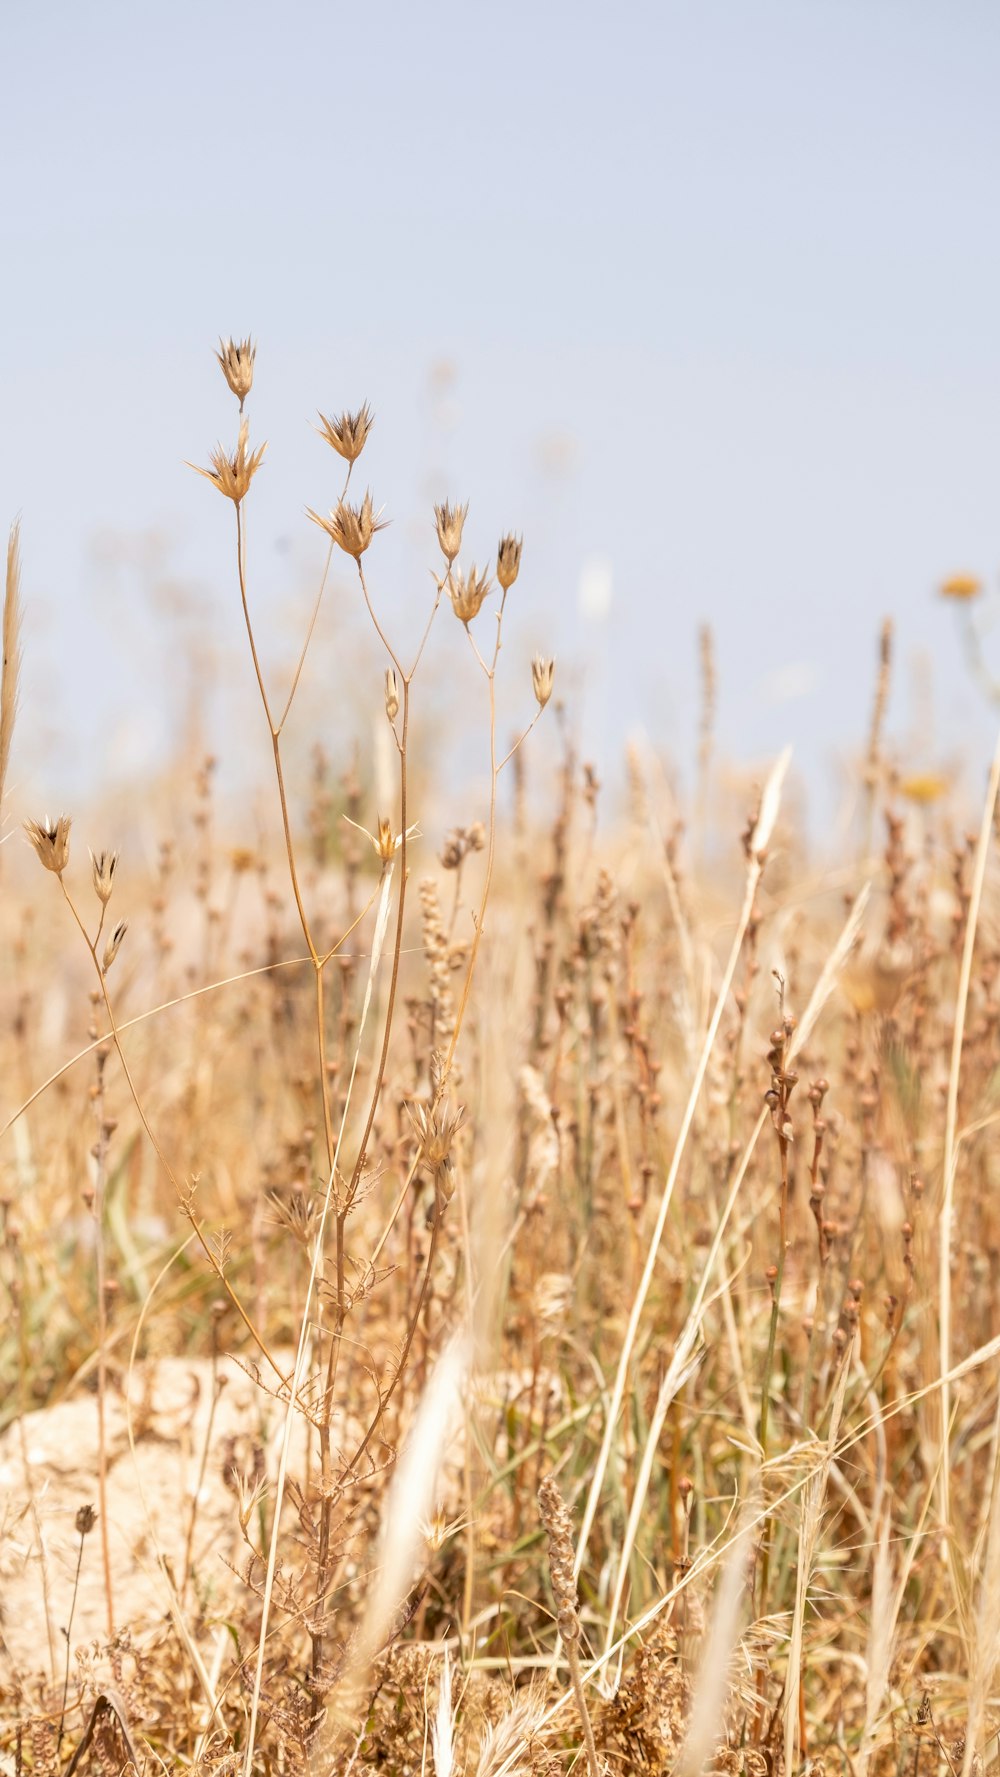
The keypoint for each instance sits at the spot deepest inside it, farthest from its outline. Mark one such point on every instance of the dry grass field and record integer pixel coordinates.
(501, 1298)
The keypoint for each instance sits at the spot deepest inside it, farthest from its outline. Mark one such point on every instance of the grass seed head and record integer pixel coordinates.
(113, 945)
(509, 560)
(449, 521)
(104, 864)
(352, 527)
(51, 841)
(232, 475)
(542, 675)
(236, 358)
(467, 593)
(347, 433)
(559, 1530)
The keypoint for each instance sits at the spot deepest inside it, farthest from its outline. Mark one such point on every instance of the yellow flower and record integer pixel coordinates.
(924, 787)
(961, 587)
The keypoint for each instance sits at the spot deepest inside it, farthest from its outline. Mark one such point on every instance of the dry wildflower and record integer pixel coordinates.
(542, 675)
(352, 527)
(508, 560)
(435, 1130)
(11, 649)
(113, 945)
(384, 843)
(51, 841)
(347, 433)
(467, 593)
(232, 475)
(961, 587)
(86, 1518)
(391, 694)
(236, 358)
(450, 520)
(104, 865)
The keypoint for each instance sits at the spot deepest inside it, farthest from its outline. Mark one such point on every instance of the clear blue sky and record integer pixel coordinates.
(719, 282)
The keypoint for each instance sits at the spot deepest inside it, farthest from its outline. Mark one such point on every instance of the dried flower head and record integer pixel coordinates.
(508, 560)
(51, 841)
(104, 864)
(542, 674)
(352, 527)
(435, 1129)
(384, 843)
(467, 592)
(391, 694)
(113, 945)
(961, 587)
(236, 358)
(450, 520)
(86, 1518)
(232, 475)
(347, 432)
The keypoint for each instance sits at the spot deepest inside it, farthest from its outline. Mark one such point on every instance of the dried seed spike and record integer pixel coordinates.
(558, 1527)
(236, 359)
(51, 841)
(347, 433)
(11, 644)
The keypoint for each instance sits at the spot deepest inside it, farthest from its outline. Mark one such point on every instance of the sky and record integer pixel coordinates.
(702, 297)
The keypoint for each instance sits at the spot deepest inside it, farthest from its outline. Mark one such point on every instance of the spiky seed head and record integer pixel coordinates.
(232, 475)
(236, 358)
(104, 864)
(113, 945)
(347, 433)
(449, 521)
(508, 560)
(559, 1530)
(51, 841)
(962, 588)
(542, 674)
(435, 1129)
(391, 694)
(86, 1518)
(467, 592)
(352, 527)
